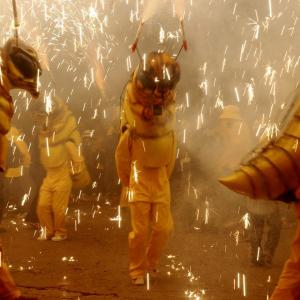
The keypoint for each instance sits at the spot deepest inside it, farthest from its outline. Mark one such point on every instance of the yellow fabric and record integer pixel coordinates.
(79, 172)
(14, 172)
(61, 159)
(82, 179)
(152, 141)
(145, 154)
(6, 113)
(3, 152)
(153, 152)
(53, 200)
(60, 133)
(8, 289)
(54, 156)
(14, 136)
(144, 253)
(148, 194)
(288, 287)
(65, 127)
(26, 157)
(124, 196)
(123, 158)
(132, 116)
(75, 157)
(145, 157)
(149, 185)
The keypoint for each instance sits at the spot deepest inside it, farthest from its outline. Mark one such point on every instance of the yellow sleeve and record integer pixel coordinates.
(123, 158)
(6, 112)
(76, 158)
(3, 152)
(171, 165)
(14, 136)
(26, 157)
(74, 152)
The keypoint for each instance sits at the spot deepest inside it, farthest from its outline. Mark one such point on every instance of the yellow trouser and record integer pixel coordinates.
(8, 289)
(288, 287)
(144, 253)
(53, 202)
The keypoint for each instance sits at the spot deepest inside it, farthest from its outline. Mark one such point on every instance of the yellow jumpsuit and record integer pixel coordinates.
(145, 158)
(288, 287)
(8, 289)
(59, 154)
(54, 199)
(149, 200)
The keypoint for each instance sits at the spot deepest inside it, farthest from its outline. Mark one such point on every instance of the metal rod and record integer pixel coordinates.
(179, 52)
(184, 42)
(138, 33)
(16, 20)
(139, 53)
(185, 45)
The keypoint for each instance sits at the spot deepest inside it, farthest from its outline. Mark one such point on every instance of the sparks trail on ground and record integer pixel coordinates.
(177, 268)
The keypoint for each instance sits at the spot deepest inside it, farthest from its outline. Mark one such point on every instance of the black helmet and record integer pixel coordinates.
(20, 62)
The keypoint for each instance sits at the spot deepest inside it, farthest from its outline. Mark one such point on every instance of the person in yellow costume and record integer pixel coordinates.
(272, 173)
(60, 154)
(231, 138)
(145, 158)
(234, 137)
(288, 286)
(20, 69)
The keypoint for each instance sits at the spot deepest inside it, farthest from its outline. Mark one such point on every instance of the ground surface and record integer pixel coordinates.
(92, 264)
